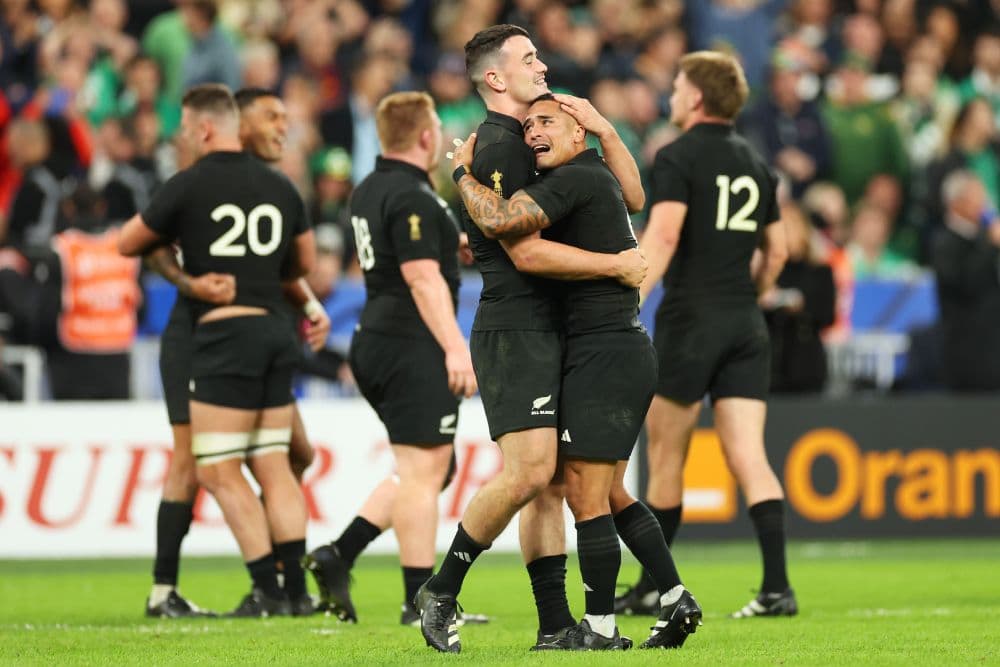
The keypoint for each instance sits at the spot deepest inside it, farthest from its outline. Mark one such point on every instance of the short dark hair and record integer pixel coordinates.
(207, 8)
(213, 98)
(246, 96)
(486, 44)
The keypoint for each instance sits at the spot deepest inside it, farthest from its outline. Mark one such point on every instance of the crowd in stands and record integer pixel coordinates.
(880, 115)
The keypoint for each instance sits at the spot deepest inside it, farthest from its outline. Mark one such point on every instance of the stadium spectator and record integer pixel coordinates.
(353, 124)
(814, 24)
(747, 27)
(331, 180)
(143, 89)
(167, 41)
(657, 62)
(966, 256)
(984, 80)
(261, 65)
(789, 131)
(974, 146)
(134, 177)
(800, 306)
(34, 210)
(860, 127)
(868, 248)
(213, 57)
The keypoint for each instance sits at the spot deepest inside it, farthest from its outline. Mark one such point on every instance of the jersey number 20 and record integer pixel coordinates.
(227, 246)
(739, 222)
(363, 240)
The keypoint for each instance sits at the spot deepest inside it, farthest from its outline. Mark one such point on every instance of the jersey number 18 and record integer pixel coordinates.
(739, 222)
(363, 240)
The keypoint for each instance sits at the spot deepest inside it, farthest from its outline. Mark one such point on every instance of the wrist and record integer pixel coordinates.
(460, 171)
(184, 284)
(312, 309)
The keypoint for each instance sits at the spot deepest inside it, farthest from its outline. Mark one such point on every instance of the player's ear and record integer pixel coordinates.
(494, 81)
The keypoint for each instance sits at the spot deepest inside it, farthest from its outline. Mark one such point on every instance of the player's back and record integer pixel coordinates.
(397, 217)
(232, 214)
(730, 197)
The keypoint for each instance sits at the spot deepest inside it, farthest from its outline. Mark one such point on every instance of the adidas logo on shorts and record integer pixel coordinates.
(539, 403)
(565, 436)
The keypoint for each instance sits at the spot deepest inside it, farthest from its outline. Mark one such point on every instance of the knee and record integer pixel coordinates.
(620, 498)
(182, 479)
(527, 486)
(208, 477)
(300, 458)
(586, 505)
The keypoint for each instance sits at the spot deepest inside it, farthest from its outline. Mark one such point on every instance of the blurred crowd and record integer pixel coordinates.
(880, 115)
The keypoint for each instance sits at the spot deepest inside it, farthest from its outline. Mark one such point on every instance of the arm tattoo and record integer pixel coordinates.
(163, 261)
(496, 216)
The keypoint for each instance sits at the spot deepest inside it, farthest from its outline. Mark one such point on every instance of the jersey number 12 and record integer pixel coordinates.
(739, 222)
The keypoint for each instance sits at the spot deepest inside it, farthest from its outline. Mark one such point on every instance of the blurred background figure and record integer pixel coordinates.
(966, 256)
(798, 309)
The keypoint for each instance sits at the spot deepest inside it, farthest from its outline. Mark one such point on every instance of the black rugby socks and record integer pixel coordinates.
(461, 555)
(355, 538)
(413, 579)
(548, 584)
(173, 520)
(769, 523)
(600, 559)
(289, 555)
(265, 576)
(641, 533)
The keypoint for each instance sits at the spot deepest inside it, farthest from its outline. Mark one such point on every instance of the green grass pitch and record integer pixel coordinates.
(872, 603)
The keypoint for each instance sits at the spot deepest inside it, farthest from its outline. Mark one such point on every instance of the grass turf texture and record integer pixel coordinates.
(878, 603)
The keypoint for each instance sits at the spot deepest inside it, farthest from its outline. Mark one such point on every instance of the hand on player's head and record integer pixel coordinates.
(584, 113)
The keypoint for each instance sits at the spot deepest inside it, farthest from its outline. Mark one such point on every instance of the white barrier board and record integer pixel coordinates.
(84, 480)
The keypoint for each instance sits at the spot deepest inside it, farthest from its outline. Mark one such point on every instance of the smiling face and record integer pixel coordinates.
(519, 71)
(554, 135)
(264, 128)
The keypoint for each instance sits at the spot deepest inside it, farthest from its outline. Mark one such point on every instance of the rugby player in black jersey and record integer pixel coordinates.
(408, 355)
(609, 370)
(232, 214)
(516, 347)
(263, 127)
(713, 203)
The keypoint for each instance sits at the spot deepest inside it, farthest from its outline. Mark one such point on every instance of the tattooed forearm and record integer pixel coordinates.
(499, 217)
(163, 260)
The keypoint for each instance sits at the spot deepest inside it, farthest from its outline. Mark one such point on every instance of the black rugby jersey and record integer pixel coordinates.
(231, 213)
(510, 299)
(730, 195)
(397, 217)
(583, 200)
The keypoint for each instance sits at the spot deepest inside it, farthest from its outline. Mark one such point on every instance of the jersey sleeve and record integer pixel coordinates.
(560, 191)
(668, 182)
(415, 221)
(302, 222)
(162, 215)
(504, 167)
(773, 210)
